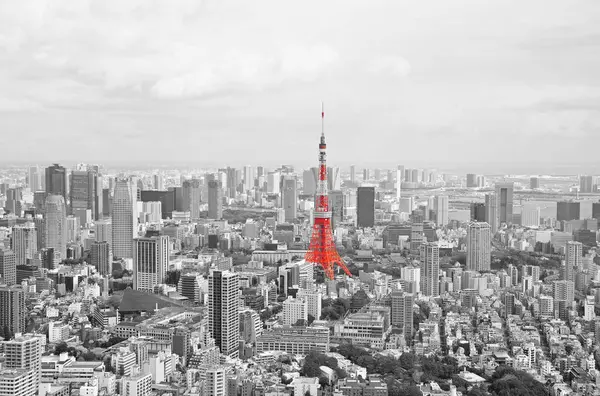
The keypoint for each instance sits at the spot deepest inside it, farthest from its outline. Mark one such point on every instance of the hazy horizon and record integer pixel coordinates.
(438, 84)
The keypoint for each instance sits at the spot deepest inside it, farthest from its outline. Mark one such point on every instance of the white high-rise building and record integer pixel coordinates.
(72, 228)
(273, 180)
(103, 231)
(294, 309)
(34, 179)
(124, 217)
(313, 302)
(249, 177)
(479, 246)
(530, 216)
(55, 224)
(588, 308)
(137, 385)
(223, 311)
(412, 274)
(153, 211)
(150, 262)
(24, 242)
(399, 177)
(25, 352)
(216, 381)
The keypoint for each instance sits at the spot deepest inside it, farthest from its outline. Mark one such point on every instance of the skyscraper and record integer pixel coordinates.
(490, 212)
(334, 179)
(586, 184)
(150, 262)
(365, 197)
(477, 211)
(102, 257)
(223, 311)
(56, 225)
(479, 246)
(366, 174)
(215, 199)
(56, 181)
(430, 269)
(399, 177)
(124, 218)
(402, 312)
(192, 196)
(24, 242)
(273, 180)
(309, 181)
(34, 179)
(530, 215)
(159, 183)
(573, 260)
(504, 202)
(336, 205)
(103, 231)
(441, 210)
(353, 174)
(12, 309)
(289, 197)
(568, 210)
(86, 193)
(248, 178)
(8, 267)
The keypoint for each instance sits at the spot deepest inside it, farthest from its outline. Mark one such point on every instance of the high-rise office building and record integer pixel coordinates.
(430, 269)
(273, 180)
(567, 210)
(102, 257)
(479, 246)
(491, 208)
(215, 199)
(289, 197)
(103, 231)
(586, 184)
(441, 209)
(504, 202)
(8, 267)
(223, 311)
(159, 183)
(86, 193)
(150, 262)
(509, 304)
(573, 260)
(56, 181)
(365, 200)
(478, 211)
(334, 179)
(24, 242)
(353, 174)
(294, 309)
(25, 352)
(124, 217)
(34, 179)
(530, 215)
(564, 295)
(12, 309)
(192, 197)
(399, 178)
(56, 225)
(366, 174)
(309, 181)
(534, 183)
(336, 206)
(249, 178)
(402, 312)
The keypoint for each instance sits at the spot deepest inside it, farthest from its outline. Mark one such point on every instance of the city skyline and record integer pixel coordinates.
(426, 78)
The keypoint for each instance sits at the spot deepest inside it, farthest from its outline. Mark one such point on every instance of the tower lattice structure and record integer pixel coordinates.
(322, 249)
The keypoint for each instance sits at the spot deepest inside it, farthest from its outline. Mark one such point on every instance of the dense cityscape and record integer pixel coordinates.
(320, 281)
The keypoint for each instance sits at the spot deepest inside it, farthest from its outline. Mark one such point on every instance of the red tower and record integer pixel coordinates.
(322, 249)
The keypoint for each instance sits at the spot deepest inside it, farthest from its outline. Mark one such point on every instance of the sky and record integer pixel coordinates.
(495, 84)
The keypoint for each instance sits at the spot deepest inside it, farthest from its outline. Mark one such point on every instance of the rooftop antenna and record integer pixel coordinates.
(322, 119)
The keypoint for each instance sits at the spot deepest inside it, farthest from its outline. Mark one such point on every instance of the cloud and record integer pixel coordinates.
(392, 65)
